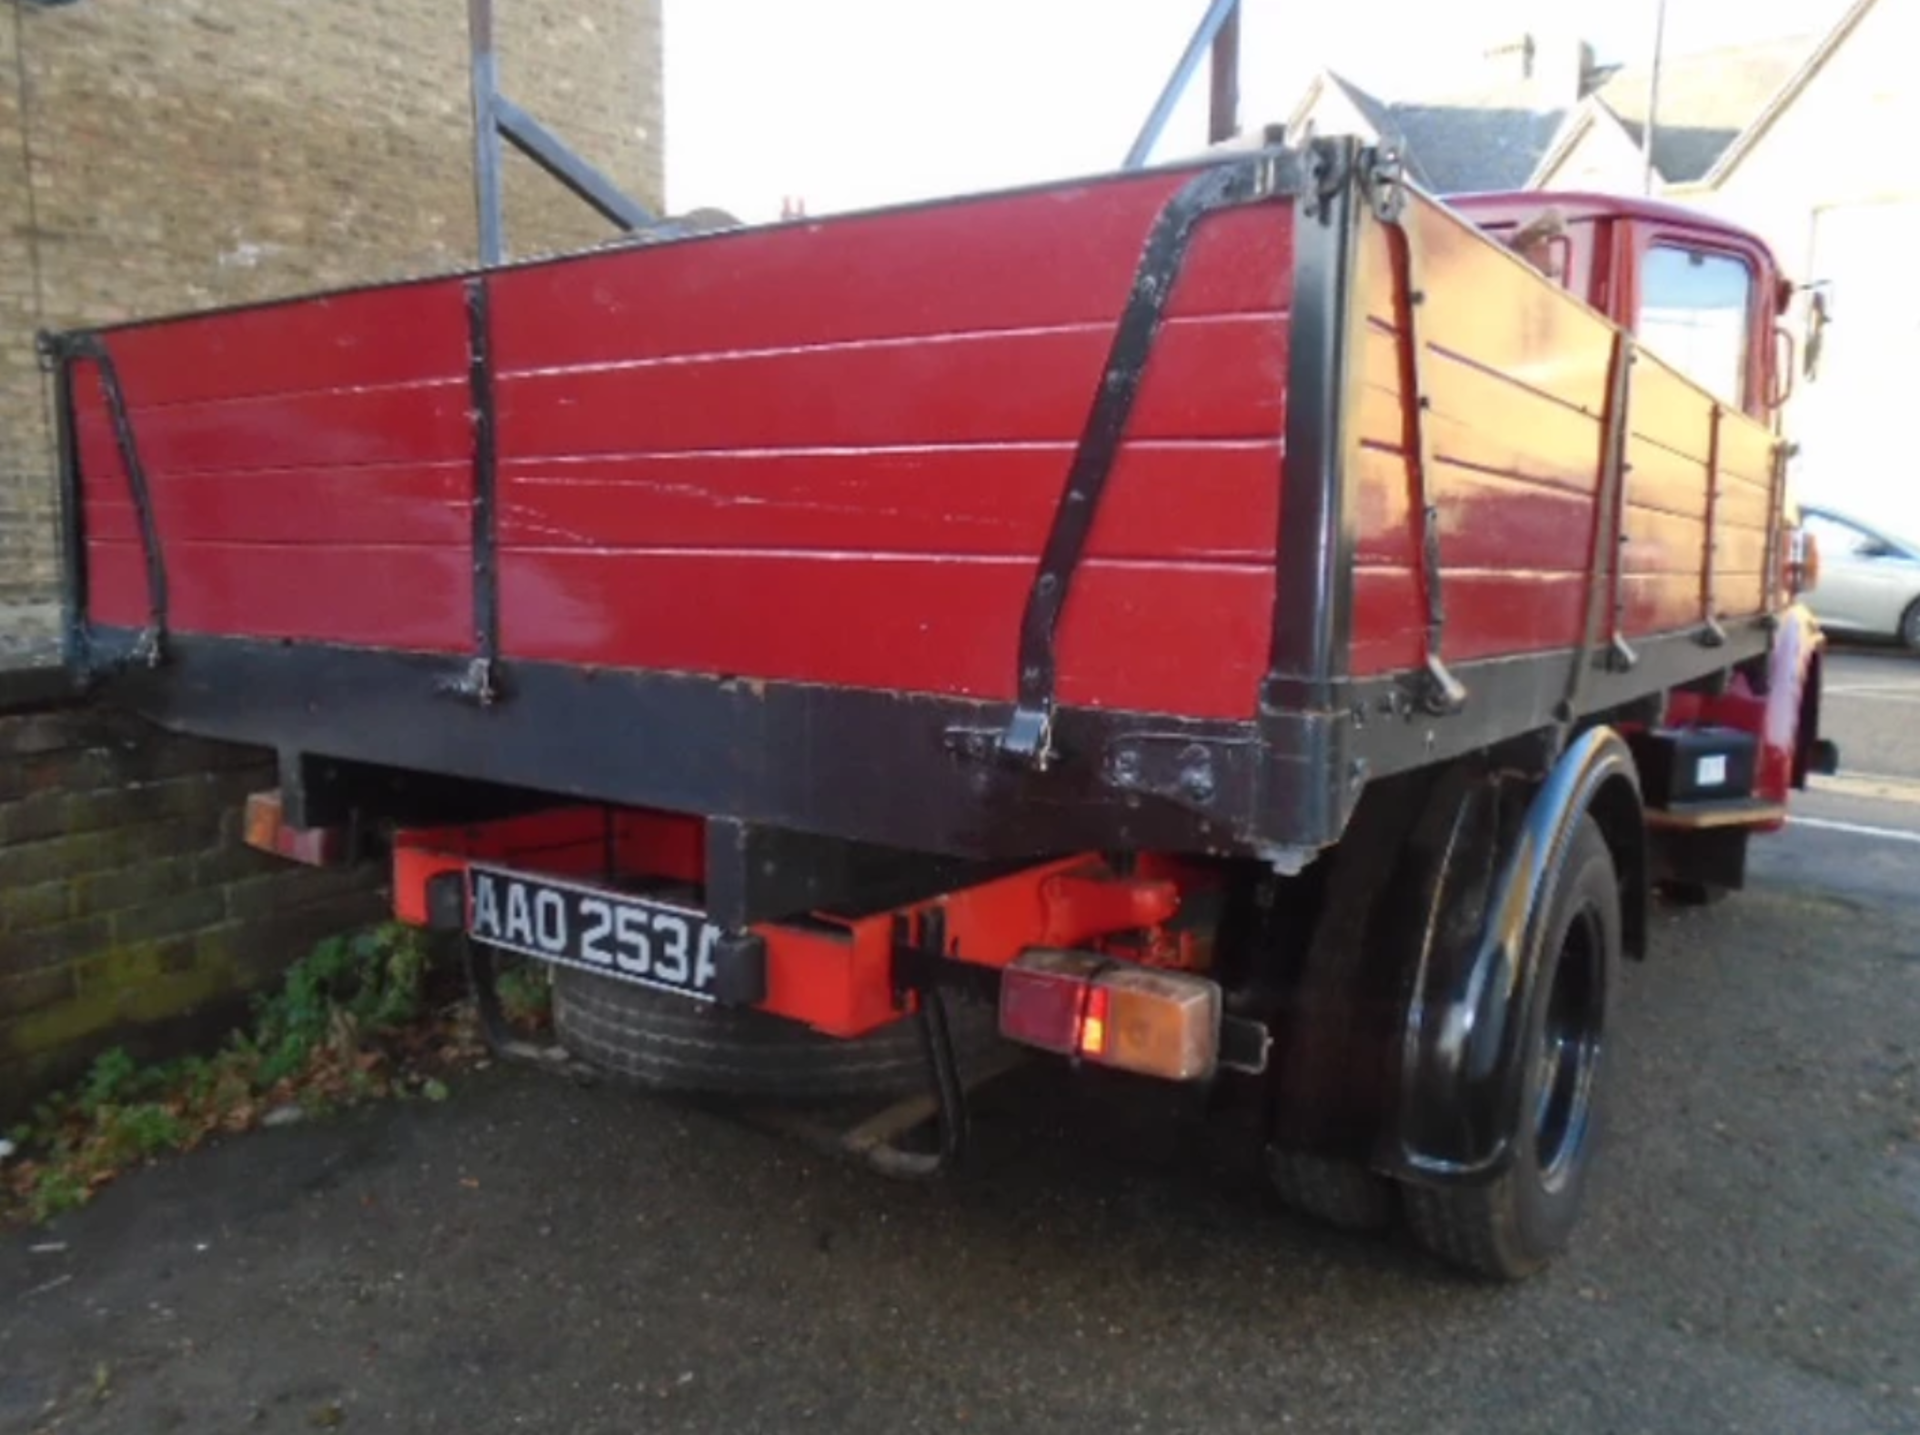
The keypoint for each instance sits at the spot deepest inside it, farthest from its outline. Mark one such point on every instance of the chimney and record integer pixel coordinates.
(1559, 71)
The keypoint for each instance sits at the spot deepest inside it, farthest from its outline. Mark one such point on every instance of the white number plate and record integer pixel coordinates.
(652, 944)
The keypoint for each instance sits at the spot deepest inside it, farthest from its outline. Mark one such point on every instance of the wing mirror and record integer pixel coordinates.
(1819, 315)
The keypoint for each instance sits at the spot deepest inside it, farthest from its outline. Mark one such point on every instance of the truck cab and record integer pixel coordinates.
(1705, 296)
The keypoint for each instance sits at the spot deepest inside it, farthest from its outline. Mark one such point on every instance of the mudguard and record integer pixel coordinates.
(1778, 701)
(1491, 877)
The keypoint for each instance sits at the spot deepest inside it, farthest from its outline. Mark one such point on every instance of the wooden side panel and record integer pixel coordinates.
(310, 466)
(1517, 376)
(1516, 372)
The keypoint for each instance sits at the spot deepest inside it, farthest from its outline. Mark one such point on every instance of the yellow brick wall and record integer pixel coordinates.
(163, 155)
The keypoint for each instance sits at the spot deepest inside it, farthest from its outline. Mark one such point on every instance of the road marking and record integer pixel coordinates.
(1867, 689)
(1881, 786)
(1857, 829)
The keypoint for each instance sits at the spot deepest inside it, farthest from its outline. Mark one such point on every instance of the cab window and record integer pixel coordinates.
(1694, 307)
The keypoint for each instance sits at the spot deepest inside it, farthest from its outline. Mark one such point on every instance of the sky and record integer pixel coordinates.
(853, 103)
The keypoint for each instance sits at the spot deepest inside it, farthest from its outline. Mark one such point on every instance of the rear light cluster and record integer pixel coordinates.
(1803, 562)
(1134, 1018)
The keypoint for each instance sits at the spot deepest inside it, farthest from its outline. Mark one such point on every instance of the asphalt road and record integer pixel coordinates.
(531, 1256)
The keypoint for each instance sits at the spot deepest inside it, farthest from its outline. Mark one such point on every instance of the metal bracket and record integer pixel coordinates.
(1386, 182)
(1028, 736)
(475, 682)
(1439, 692)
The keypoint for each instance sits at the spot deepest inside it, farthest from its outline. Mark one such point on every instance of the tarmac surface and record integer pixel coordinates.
(532, 1256)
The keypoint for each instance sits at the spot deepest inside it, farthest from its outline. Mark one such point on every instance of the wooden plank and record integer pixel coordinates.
(410, 597)
(404, 503)
(1206, 379)
(1061, 256)
(342, 428)
(377, 338)
(1178, 500)
(1130, 637)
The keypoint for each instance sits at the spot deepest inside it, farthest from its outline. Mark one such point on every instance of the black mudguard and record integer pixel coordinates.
(1473, 930)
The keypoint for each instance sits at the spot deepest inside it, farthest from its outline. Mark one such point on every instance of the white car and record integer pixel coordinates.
(1869, 579)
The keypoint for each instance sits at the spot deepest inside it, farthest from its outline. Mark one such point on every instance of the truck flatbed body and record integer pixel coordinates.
(1160, 510)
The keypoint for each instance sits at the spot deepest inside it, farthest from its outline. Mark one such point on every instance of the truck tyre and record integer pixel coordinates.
(1513, 1226)
(1343, 1194)
(661, 1042)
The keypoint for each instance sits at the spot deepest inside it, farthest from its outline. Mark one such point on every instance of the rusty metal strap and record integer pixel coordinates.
(1269, 174)
(63, 349)
(1439, 692)
(1712, 635)
(1603, 557)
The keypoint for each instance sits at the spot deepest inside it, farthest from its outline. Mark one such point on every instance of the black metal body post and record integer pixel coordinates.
(1223, 117)
(495, 117)
(486, 132)
(1219, 30)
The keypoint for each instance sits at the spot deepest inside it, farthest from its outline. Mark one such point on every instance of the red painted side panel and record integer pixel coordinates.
(824, 452)
(831, 452)
(310, 466)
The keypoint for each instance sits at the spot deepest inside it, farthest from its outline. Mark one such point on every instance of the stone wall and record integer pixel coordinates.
(130, 909)
(165, 155)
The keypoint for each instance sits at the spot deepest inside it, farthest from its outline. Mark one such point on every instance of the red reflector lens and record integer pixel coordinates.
(1164, 1024)
(1042, 999)
(1093, 1022)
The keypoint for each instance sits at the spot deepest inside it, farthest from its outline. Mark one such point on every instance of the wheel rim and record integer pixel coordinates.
(1569, 1049)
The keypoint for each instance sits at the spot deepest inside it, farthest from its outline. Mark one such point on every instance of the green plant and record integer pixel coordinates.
(55, 1189)
(526, 994)
(327, 1037)
(363, 983)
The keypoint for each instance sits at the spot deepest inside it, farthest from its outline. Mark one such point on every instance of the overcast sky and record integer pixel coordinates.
(850, 103)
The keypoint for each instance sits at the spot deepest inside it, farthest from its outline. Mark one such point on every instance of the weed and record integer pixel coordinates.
(321, 1040)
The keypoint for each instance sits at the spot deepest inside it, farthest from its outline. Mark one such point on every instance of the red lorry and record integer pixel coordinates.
(1244, 623)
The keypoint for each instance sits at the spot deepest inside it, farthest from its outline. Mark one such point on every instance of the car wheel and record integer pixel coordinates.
(1910, 626)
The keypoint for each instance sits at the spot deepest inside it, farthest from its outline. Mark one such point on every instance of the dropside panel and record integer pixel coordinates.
(1517, 374)
(310, 466)
(831, 453)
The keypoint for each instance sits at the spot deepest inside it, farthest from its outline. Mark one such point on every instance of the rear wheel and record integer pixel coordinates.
(1339, 1193)
(1515, 1225)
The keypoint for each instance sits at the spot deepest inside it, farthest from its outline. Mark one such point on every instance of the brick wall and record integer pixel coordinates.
(130, 910)
(166, 155)
(163, 155)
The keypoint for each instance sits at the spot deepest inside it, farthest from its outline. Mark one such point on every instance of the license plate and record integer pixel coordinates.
(634, 939)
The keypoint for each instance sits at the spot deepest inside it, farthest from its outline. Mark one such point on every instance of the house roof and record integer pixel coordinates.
(1707, 100)
(1713, 105)
(1462, 150)
(1453, 147)
(1788, 91)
